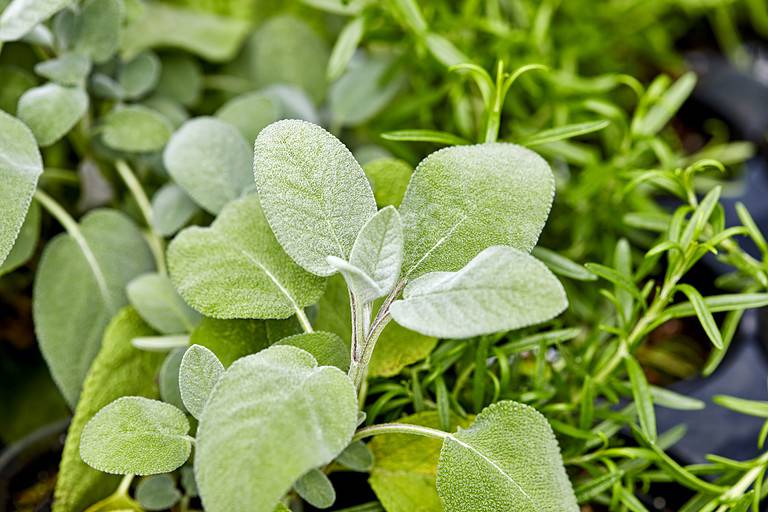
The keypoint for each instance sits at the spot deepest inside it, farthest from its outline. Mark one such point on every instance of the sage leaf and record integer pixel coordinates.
(26, 241)
(508, 459)
(21, 16)
(313, 191)
(286, 50)
(363, 91)
(139, 75)
(389, 179)
(51, 111)
(272, 417)
(200, 371)
(15, 82)
(294, 102)
(376, 257)
(230, 340)
(97, 29)
(463, 199)
(155, 298)
(215, 38)
(181, 79)
(135, 129)
(119, 369)
(169, 378)
(357, 457)
(315, 488)
(346, 44)
(326, 347)
(80, 285)
(136, 435)
(70, 69)
(20, 167)
(210, 160)
(499, 290)
(237, 269)
(250, 113)
(172, 208)
(157, 492)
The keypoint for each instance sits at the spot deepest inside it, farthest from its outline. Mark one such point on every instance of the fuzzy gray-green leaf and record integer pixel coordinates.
(21, 16)
(463, 199)
(168, 379)
(171, 209)
(139, 75)
(155, 298)
(237, 269)
(136, 435)
(499, 290)
(157, 492)
(97, 29)
(315, 488)
(51, 111)
(326, 347)
(200, 371)
(135, 129)
(508, 459)
(79, 288)
(250, 113)
(314, 193)
(210, 160)
(70, 69)
(272, 417)
(26, 241)
(20, 167)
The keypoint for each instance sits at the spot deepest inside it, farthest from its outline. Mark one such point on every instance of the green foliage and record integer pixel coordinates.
(97, 29)
(118, 370)
(210, 160)
(508, 459)
(26, 241)
(299, 167)
(155, 298)
(51, 111)
(199, 372)
(326, 347)
(157, 492)
(389, 179)
(499, 290)
(168, 379)
(79, 286)
(171, 209)
(237, 269)
(297, 416)
(20, 167)
(71, 69)
(136, 435)
(316, 489)
(20, 16)
(250, 113)
(135, 129)
(445, 226)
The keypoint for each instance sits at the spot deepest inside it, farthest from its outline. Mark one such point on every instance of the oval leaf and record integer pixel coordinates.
(51, 111)
(171, 209)
(20, 167)
(463, 199)
(21, 16)
(314, 193)
(236, 268)
(316, 489)
(210, 160)
(507, 460)
(272, 417)
(200, 371)
(155, 298)
(136, 129)
(326, 347)
(499, 290)
(136, 435)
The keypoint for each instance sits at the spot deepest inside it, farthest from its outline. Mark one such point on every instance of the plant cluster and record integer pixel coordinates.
(260, 309)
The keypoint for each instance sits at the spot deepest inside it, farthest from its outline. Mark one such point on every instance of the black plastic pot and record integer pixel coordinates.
(28, 469)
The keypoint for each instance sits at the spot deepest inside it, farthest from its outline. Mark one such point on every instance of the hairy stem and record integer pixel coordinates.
(399, 428)
(304, 320)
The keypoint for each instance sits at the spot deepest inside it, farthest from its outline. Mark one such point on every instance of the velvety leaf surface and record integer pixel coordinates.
(136, 435)
(237, 269)
(326, 347)
(25, 244)
(315, 488)
(389, 179)
(376, 257)
(210, 160)
(507, 460)
(139, 75)
(405, 467)
(250, 113)
(79, 288)
(157, 492)
(313, 191)
(136, 129)
(499, 290)
(51, 111)
(20, 16)
(171, 209)
(357, 457)
(463, 199)
(200, 371)
(155, 298)
(285, 50)
(97, 29)
(397, 347)
(70, 69)
(232, 339)
(20, 167)
(363, 91)
(168, 378)
(271, 418)
(118, 370)
(181, 79)
(215, 38)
